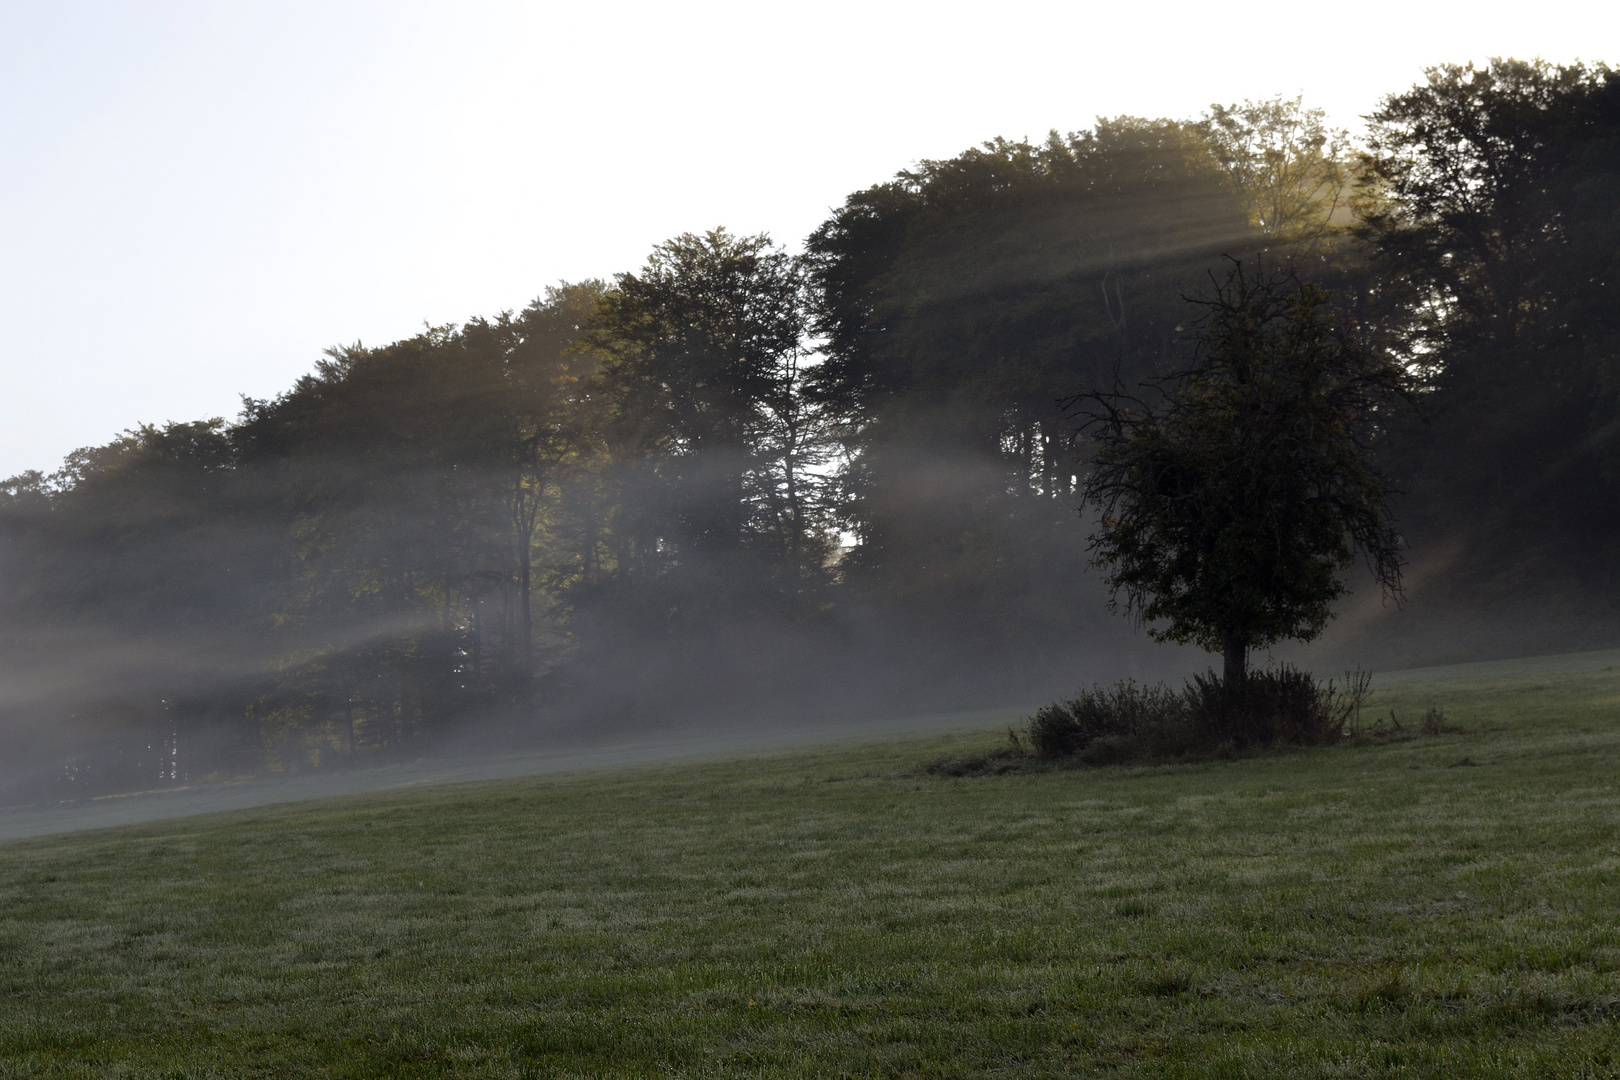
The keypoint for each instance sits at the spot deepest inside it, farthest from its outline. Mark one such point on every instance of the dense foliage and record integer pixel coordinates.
(840, 480)
(1488, 203)
(1231, 508)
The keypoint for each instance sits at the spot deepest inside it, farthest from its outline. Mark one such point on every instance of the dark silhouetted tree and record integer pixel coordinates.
(1487, 196)
(1231, 505)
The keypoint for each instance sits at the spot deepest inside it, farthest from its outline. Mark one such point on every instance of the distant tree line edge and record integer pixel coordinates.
(738, 481)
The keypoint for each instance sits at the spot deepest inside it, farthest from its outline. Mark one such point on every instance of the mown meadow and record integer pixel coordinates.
(1423, 905)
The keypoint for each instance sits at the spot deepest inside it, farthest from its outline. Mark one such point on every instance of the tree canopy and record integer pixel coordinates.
(1230, 508)
(1487, 205)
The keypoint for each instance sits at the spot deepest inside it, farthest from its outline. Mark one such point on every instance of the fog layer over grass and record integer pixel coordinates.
(161, 804)
(1434, 906)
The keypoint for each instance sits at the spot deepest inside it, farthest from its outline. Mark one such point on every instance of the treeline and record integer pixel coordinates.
(741, 481)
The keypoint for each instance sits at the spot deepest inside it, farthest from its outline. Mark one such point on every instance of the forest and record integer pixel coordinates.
(744, 481)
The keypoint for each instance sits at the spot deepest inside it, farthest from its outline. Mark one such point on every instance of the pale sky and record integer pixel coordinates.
(197, 198)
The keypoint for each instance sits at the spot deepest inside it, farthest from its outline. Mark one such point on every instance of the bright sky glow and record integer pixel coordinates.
(197, 198)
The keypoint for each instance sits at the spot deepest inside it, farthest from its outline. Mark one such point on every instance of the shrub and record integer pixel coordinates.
(1106, 722)
(1129, 721)
(1434, 722)
(1279, 705)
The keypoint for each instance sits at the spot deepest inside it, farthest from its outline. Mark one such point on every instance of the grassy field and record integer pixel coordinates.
(1439, 906)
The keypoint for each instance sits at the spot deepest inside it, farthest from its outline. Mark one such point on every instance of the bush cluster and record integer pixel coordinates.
(1129, 721)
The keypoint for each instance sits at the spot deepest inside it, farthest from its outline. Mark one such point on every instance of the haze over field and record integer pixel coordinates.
(707, 370)
(849, 539)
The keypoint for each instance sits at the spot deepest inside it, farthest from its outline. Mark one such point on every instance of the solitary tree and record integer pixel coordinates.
(1231, 504)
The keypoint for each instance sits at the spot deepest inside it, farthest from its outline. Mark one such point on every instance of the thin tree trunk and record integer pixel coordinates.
(590, 536)
(525, 616)
(795, 519)
(525, 517)
(1236, 652)
(508, 630)
(477, 621)
(348, 720)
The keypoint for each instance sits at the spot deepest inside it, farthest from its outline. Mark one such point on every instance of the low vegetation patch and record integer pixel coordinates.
(1003, 759)
(1136, 723)
(1210, 715)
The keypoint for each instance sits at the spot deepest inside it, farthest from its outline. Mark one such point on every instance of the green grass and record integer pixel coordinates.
(1443, 906)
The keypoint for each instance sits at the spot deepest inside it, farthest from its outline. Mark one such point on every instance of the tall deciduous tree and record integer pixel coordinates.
(1486, 196)
(1230, 508)
(703, 359)
(1459, 193)
(1291, 168)
(960, 303)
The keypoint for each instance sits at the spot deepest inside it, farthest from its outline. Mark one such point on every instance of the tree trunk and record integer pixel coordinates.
(476, 627)
(588, 564)
(348, 717)
(795, 519)
(525, 616)
(1236, 653)
(525, 517)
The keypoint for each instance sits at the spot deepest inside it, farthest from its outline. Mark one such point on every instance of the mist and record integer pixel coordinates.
(743, 493)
